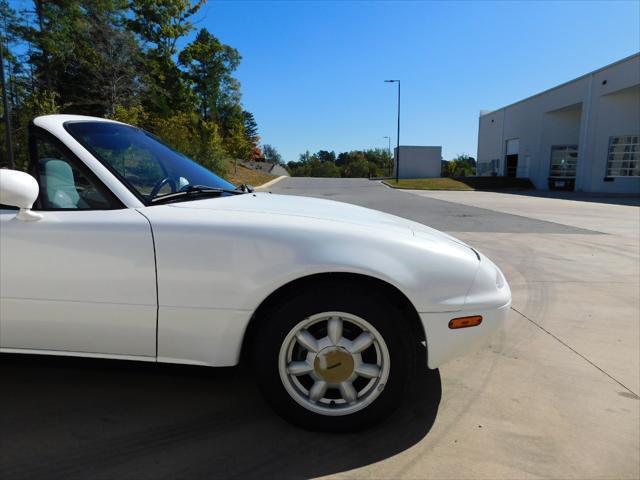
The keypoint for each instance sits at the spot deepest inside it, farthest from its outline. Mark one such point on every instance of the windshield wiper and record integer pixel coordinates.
(244, 188)
(194, 190)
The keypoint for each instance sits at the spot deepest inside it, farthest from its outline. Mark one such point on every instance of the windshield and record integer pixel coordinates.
(145, 164)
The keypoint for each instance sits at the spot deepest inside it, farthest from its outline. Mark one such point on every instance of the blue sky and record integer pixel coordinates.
(312, 72)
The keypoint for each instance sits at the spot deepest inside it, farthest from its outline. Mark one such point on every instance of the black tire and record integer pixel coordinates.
(367, 304)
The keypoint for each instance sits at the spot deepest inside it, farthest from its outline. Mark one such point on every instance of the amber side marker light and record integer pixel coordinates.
(464, 322)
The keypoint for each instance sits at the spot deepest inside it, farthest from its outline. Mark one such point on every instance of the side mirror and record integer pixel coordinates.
(19, 189)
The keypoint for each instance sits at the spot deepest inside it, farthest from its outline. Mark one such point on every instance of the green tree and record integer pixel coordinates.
(250, 125)
(251, 134)
(318, 168)
(103, 71)
(271, 154)
(380, 162)
(80, 51)
(235, 142)
(50, 31)
(160, 24)
(461, 166)
(302, 167)
(117, 58)
(9, 36)
(326, 156)
(8, 19)
(210, 64)
(164, 88)
(314, 166)
(356, 165)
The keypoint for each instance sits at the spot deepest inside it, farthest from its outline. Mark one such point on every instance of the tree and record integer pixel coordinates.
(209, 65)
(326, 156)
(8, 16)
(160, 24)
(50, 31)
(103, 72)
(380, 162)
(80, 51)
(271, 155)
(250, 125)
(236, 144)
(117, 58)
(319, 168)
(356, 165)
(298, 169)
(251, 134)
(461, 166)
(9, 26)
(163, 22)
(301, 168)
(316, 165)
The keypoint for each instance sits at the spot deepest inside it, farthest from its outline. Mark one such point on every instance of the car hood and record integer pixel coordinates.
(308, 207)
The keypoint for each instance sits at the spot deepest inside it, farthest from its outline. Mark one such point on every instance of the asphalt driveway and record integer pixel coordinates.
(554, 395)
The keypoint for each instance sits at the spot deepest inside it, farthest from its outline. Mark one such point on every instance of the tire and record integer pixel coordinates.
(305, 379)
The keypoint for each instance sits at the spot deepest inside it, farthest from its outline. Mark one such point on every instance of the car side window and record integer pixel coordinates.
(65, 182)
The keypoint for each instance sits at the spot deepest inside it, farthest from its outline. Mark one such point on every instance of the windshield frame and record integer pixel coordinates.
(142, 198)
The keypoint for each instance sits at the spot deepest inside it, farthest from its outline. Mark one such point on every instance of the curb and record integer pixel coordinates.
(271, 182)
(433, 189)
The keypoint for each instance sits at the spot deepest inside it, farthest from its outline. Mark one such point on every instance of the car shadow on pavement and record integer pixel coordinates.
(79, 418)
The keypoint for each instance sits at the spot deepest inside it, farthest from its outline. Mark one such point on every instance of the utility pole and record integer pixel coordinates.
(398, 144)
(7, 113)
(389, 150)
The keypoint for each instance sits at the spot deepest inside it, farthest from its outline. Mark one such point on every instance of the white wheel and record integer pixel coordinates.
(334, 357)
(334, 363)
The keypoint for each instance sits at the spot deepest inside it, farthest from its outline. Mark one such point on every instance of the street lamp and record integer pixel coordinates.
(398, 146)
(389, 149)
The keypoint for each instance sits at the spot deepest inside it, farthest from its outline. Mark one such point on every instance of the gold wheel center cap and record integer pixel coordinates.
(334, 364)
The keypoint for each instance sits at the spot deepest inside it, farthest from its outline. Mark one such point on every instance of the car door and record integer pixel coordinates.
(82, 278)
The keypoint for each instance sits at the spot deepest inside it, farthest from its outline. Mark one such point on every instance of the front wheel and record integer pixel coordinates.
(334, 361)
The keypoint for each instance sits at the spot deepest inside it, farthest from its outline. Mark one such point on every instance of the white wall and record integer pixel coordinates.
(586, 112)
(490, 147)
(419, 162)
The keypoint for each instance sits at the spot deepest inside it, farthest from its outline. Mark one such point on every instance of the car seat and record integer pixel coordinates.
(60, 185)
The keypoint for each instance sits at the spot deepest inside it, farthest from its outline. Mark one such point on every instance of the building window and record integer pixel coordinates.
(623, 157)
(564, 159)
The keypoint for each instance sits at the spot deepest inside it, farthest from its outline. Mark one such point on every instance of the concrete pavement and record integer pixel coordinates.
(556, 393)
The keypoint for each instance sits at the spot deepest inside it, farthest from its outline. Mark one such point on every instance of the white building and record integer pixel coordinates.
(582, 135)
(418, 162)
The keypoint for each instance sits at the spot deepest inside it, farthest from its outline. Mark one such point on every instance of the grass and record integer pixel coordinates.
(246, 175)
(463, 183)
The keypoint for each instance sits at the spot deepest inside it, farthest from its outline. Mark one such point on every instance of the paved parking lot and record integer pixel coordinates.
(555, 394)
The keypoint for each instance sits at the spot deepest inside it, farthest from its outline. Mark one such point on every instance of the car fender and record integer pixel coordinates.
(214, 269)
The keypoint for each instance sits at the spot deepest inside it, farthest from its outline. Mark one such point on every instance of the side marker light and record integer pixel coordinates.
(465, 322)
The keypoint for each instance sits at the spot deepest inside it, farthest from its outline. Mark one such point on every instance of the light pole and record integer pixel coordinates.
(389, 150)
(7, 116)
(398, 145)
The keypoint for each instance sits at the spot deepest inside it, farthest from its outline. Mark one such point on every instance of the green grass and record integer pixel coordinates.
(463, 183)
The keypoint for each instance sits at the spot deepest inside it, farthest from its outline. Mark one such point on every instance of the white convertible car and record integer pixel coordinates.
(116, 246)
